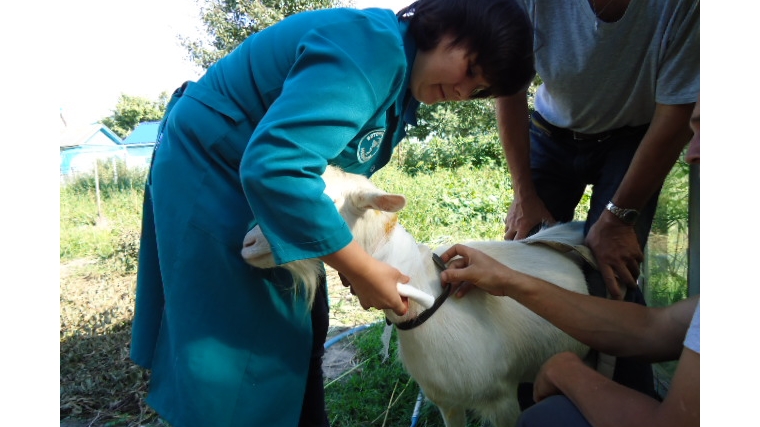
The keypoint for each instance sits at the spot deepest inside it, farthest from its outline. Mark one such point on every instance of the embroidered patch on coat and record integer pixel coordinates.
(369, 145)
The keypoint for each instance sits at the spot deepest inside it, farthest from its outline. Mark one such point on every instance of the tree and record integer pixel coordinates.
(455, 119)
(131, 110)
(461, 119)
(229, 22)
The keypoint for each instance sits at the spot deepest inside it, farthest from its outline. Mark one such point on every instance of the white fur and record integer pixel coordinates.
(473, 351)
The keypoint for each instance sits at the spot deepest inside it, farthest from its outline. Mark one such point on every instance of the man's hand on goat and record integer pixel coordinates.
(468, 267)
(617, 253)
(523, 216)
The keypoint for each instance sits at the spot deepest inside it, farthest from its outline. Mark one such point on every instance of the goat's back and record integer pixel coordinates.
(498, 340)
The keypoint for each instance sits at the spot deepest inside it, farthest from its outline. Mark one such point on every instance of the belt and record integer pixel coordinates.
(559, 132)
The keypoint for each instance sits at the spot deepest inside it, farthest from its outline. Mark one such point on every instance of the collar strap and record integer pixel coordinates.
(583, 251)
(425, 315)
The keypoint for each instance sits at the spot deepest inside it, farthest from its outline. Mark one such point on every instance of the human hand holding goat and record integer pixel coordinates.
(490, 343)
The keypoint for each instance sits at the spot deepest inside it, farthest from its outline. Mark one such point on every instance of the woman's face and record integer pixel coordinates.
(445, 74)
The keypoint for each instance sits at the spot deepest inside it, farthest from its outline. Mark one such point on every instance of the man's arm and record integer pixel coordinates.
(527, 209)
(613, 242)
(604, 402)
(613, 327)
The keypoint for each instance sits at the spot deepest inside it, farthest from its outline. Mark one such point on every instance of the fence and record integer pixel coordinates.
(670, 271)
(80, 161)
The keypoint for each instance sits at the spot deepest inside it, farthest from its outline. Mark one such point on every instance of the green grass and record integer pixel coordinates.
(377, 392)
(98, 381)
(85, 232)
(450, 206)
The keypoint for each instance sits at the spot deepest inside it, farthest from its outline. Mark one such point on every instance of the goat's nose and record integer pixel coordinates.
(249, 240)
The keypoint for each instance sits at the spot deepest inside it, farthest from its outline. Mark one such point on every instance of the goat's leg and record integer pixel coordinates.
(453, 416)
(502, 414)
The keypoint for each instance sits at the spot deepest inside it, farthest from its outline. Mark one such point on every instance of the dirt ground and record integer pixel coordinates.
(345, 314)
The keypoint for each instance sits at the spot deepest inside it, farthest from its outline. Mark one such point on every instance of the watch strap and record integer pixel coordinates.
(628, 216)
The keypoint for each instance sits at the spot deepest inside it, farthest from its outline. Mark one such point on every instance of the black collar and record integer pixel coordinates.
(425, 315)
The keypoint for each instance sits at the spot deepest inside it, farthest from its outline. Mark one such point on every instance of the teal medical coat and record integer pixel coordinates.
(229, 344)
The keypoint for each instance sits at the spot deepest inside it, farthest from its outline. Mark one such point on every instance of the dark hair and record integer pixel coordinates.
(497, 31)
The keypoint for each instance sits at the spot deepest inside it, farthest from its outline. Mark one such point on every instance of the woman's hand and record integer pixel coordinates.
(372, 281)
(376, 287)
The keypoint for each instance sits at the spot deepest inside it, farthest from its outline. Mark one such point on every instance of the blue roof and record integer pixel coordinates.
(144, 133)
(92, 134)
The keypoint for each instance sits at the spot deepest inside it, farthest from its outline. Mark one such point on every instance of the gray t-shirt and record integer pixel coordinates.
(692, 335)
(599, 76)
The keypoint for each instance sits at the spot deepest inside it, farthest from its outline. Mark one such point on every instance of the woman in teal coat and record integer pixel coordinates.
(232, 345)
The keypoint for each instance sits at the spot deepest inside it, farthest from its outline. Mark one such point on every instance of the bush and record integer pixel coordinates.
(127, 250)
(444, 206)
(97, 224)
(113, 176)
(473, 151)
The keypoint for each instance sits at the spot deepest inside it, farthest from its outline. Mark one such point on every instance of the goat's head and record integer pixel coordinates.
(369, 212)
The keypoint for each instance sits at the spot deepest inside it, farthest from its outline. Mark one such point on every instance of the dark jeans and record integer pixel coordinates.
(313, 411)
(554, 411)
(562, 167)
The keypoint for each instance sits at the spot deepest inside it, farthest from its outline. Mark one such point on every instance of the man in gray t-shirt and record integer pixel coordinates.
(569, 392)
(619, 80)
(692, 336)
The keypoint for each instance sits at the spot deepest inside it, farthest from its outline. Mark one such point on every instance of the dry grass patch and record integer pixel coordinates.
(100, 385)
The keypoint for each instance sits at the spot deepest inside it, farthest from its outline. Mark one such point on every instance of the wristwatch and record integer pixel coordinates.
(628, 216)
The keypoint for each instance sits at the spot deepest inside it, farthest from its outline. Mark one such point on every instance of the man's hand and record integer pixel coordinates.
(545, 384)
(617, 253)
(524, 215)
(470, 267)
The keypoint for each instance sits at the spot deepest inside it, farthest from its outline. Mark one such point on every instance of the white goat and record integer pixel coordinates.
(472, 353)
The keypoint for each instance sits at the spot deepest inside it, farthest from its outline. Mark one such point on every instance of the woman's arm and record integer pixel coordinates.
(373, 281)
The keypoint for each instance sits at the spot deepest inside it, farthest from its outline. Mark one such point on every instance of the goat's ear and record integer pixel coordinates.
(379, 201)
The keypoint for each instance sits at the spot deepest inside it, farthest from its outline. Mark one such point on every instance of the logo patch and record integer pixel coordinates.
(369, 145)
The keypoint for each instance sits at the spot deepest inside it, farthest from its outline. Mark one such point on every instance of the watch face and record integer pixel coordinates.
(630, 216)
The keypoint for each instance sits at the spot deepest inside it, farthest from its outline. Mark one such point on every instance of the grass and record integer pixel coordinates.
(387, 392)
(98, 248)
(100, 386)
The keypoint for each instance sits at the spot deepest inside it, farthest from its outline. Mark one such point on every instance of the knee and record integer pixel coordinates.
(553, 411)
